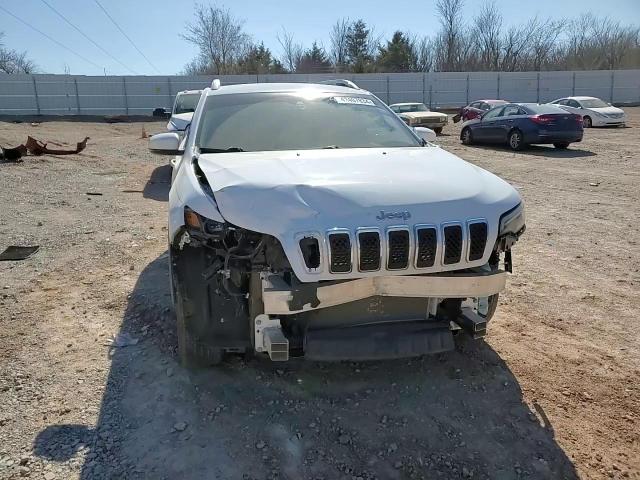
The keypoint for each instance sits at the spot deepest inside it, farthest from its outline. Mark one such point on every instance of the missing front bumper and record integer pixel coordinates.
(279, 298)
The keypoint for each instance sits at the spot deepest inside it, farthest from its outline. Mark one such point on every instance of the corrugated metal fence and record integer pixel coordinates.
(139, 95)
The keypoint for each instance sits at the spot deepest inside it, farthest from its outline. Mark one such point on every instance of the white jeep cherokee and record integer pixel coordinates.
(310, 220)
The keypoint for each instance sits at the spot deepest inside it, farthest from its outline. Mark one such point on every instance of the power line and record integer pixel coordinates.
(50, 38)
(125, 35)
(87, 37)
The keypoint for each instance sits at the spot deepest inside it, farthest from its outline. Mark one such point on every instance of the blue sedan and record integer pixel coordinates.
(521, 124)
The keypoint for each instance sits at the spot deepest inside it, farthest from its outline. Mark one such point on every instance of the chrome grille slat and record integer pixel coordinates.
(452, 244)
(369, 247)
(340, 252)
(398, 248)
(477, 240)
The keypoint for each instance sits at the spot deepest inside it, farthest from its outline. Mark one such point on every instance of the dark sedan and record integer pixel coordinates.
(523, 124)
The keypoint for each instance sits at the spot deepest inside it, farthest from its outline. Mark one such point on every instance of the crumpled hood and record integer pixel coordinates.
(179, 121)
(284, 193)
(423, 114)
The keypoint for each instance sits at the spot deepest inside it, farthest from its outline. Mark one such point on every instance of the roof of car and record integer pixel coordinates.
(405, 104)
(583, 98)
(281, 87)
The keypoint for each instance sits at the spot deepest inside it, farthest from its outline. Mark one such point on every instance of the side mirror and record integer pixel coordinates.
(425, 133)
(165, 144)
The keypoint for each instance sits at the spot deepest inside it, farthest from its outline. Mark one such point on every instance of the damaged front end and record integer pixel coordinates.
(235, 291)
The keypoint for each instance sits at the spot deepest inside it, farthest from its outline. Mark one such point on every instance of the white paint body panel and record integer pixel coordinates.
(600, 117)
(290, 193)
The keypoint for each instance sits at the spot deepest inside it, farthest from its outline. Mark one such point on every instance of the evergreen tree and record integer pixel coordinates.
(359, 47)
(398, 55)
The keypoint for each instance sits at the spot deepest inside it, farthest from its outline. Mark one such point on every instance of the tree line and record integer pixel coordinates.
(481, 43)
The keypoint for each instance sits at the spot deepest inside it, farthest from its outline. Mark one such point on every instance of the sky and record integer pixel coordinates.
(155, 26)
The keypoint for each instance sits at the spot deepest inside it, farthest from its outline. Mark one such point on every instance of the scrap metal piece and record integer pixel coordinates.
(36, 147)
(13, 154)
(16, 252)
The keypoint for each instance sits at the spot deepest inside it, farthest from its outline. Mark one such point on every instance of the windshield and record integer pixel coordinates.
(414, 107)
(186, 103)
(254, 122)
(593, 103)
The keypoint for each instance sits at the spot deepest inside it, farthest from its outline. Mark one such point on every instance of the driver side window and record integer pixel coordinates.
(573, 103)
(491, 114)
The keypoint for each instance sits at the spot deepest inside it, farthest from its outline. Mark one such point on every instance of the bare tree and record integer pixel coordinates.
(12, 61)
(450, 12)
(487, 29)
(423, 53)
(219, 36)
(338, 38)
(291, 50)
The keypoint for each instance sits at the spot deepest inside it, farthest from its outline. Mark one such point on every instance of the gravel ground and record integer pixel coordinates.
(552, 393)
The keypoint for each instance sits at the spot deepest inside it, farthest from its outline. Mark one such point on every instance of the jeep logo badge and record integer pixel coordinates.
(405, 215)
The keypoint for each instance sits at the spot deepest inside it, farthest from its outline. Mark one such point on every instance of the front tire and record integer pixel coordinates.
(515, 140)
(587, 122)
(438, 130)
(466, 136)
(561, 146)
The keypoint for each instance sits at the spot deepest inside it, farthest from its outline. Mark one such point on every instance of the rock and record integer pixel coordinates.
(169, 372)
(49, 476)
(392, 447)
(397, 465)
(24, 471)
(24, 460)
(260, 445)
(180, 426)
(466, 473)
(344, 439)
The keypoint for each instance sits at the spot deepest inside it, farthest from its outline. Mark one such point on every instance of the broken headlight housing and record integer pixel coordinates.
(512, 222)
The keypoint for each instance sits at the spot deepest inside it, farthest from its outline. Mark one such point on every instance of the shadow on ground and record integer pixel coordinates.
(540, 151)
(457, 415)
(157, 187)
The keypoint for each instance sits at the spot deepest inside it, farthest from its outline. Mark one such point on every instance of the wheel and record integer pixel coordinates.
(586, 122)
(561, 146)
(192, 326)
(493, 304)
(438, 130)
(515, 140)
(466, 136)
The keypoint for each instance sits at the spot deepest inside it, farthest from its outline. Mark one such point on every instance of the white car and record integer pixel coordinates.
(328, 229)
(419, 115)
(183, 108)
(595, 112)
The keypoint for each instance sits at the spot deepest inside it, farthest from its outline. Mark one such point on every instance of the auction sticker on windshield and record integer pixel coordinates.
(354, 101)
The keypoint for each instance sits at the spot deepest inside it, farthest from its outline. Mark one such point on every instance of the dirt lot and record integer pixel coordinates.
(552, 393)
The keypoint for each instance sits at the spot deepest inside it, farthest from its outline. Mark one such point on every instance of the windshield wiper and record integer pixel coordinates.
(220, 150)
(330, 147)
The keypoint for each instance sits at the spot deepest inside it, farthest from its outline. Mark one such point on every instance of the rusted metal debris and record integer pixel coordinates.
(13, 154)
(36, 147)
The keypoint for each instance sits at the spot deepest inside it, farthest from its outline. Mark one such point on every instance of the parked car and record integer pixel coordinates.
(331, 230)
(419, 115)
(594, 112)
(183, 108)
(477, 108)
(521, 124)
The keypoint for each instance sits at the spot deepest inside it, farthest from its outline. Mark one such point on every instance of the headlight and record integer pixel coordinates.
(512, 221)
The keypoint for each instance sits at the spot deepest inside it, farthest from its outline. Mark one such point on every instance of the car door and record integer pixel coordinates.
(506, 121)
(487, 129)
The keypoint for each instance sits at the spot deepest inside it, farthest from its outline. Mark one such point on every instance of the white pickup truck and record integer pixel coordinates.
(310, 220)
